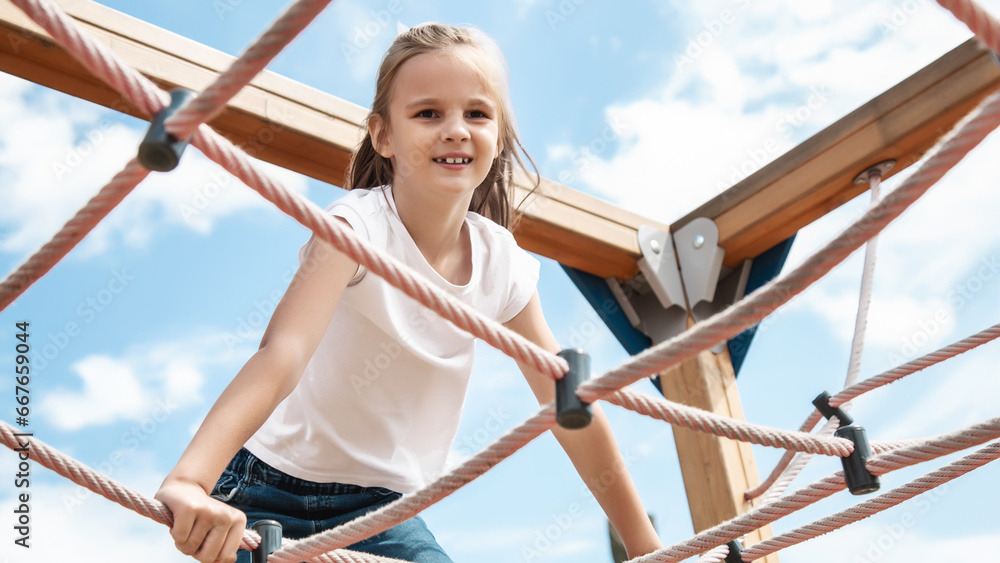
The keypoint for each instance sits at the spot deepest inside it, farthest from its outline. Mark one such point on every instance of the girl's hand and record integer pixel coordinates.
(204, 528)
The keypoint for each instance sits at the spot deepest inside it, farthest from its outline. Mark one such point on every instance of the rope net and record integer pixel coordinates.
(189, 123)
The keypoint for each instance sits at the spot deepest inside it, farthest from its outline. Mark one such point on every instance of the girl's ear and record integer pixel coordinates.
(378, 129)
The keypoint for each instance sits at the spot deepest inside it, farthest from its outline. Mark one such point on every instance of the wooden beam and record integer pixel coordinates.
(303, 129)
(817, 176)
(298, 127)
(275, 119)
(717, 471)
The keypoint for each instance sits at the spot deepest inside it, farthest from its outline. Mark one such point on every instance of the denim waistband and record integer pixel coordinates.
(245, 463)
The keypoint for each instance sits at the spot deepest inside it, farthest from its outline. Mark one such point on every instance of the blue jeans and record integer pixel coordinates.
(305, 508)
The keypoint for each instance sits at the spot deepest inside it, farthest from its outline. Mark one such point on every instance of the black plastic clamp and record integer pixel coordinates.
(822, 404)
(270, 540)
(735, 552)
(159, 150)
(860, 481)
(571, 412)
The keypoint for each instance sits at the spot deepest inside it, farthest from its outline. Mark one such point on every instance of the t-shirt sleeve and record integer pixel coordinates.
(348, 208)
(524, 271)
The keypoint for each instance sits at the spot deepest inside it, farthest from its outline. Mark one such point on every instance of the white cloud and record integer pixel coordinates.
(889, 541)
(57, 154)
(719, 117)
(145, 381)
(110, 391)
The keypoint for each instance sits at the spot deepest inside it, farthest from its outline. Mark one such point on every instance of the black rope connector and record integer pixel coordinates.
(860, 481)
(270, 539)
(159, 150)
(571, 412)
(822, 404)
(735, 552)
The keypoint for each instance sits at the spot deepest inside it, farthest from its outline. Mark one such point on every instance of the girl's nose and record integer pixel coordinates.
(455, 129)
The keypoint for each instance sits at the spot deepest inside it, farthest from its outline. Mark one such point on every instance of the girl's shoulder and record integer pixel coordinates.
(499, 244)
(488, 226)
(362, 200)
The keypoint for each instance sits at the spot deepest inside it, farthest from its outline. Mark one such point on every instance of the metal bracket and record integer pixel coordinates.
(730, 289)
(881, 169)
(654, 299)
(679, 274)
(700, 259)
(659, 265)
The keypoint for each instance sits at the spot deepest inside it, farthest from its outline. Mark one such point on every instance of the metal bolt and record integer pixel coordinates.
(699, 241)
(654, 245)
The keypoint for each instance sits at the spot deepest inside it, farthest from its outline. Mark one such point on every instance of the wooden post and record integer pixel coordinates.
(717, 471)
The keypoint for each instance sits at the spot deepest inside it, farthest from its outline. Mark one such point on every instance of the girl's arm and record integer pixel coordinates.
(592, 450)
(205, 528)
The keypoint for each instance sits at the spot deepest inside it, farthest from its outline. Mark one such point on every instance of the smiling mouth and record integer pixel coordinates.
(453, 160)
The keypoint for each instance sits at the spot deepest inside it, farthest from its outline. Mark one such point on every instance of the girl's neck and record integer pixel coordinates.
(437, 227)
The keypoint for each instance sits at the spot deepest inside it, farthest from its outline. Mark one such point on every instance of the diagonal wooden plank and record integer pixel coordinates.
(817, 176)
(297, 127)
(311, 132)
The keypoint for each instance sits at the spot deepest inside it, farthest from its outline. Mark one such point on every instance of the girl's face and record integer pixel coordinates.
(443, 130)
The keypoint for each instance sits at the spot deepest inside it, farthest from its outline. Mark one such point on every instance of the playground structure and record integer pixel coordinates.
(604, 248)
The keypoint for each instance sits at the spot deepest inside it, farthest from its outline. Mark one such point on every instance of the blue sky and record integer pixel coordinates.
(166, 306)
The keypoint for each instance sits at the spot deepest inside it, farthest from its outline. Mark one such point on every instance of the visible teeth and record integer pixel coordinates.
(454, 160)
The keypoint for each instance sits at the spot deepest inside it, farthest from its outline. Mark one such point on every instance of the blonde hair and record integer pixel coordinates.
(493, 198)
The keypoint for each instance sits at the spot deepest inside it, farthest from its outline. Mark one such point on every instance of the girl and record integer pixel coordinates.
(355, 393)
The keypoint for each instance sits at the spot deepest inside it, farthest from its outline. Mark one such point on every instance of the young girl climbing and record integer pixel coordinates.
(355, 394)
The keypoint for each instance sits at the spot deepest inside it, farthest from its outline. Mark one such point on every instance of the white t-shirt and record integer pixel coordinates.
(380, 400)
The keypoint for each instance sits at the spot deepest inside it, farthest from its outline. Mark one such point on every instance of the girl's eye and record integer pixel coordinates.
(477, 114)
(426, 113)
